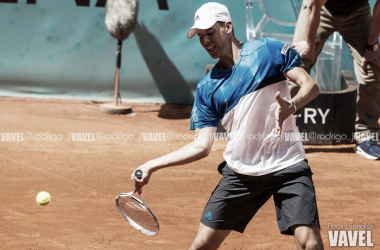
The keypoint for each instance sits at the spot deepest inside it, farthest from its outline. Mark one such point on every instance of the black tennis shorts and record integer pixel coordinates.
(237, 198)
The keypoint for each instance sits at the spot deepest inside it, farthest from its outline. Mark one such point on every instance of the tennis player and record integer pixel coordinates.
(246, 92)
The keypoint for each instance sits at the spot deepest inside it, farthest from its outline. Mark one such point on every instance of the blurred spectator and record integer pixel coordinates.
(317, 20)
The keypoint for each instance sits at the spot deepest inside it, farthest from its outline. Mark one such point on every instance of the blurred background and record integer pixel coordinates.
(62, 49)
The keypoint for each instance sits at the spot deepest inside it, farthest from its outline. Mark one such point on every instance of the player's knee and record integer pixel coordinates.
(312, 244)
(203, 244)
(308, 239)
(208, 238)
(196, 245)
(309, 244)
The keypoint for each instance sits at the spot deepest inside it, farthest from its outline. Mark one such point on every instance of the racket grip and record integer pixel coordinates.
(138, 174)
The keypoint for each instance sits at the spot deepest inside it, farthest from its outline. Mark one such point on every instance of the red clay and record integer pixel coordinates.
(84, 178)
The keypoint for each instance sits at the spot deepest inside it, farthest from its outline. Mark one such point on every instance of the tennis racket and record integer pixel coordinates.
(137, 212)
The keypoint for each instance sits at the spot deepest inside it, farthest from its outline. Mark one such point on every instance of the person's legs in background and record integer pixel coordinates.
(355, 31)
(325, 29)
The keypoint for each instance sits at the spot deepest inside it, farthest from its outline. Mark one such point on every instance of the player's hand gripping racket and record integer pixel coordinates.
(137, 212)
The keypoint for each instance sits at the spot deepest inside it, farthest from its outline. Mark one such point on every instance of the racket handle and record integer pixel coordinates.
(138, 174)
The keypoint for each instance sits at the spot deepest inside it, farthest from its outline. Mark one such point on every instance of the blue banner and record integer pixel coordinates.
(62, 49)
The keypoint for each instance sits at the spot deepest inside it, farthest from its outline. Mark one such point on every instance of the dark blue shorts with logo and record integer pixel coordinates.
(237, 198)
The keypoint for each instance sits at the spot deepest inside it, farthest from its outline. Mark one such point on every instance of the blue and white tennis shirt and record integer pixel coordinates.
(243, 100)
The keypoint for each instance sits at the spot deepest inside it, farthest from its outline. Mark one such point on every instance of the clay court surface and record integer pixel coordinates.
(85, 177)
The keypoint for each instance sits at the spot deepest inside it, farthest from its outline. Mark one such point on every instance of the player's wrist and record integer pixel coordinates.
(293, 106)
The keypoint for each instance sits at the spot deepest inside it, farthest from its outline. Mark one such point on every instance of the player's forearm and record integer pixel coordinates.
(375, 24)
(308, 88)
(187, 154)
(191, 152)
(308, 91)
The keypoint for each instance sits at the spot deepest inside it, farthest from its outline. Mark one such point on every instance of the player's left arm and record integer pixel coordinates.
(199, 148)
(307, 92)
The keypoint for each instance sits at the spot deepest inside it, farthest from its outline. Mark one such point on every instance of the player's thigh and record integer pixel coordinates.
(224, 210)
(208, 238)
(295, 198)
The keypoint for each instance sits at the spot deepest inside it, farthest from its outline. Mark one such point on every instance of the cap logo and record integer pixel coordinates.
(197, 17)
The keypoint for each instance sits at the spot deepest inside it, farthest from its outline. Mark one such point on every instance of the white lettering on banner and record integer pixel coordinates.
(323, 115)
(307, 115)
(311, 113)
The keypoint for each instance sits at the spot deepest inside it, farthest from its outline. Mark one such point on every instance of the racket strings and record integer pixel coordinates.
(135, 211)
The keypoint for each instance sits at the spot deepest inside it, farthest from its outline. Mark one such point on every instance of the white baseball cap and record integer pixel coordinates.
(207, 15)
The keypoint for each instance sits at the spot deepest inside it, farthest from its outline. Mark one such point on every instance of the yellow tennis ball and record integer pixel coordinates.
(43, 198)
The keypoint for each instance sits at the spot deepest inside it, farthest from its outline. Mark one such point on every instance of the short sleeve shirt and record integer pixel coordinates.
(242, 99)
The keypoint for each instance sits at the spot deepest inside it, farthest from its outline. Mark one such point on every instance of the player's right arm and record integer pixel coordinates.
(306, 48)
(307, 92)
(199, 148)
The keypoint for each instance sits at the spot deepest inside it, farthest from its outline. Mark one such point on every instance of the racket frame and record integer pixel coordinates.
(144, 205)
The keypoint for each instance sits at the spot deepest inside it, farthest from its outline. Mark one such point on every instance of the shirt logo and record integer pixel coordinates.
(285, 49)
(236, 81)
